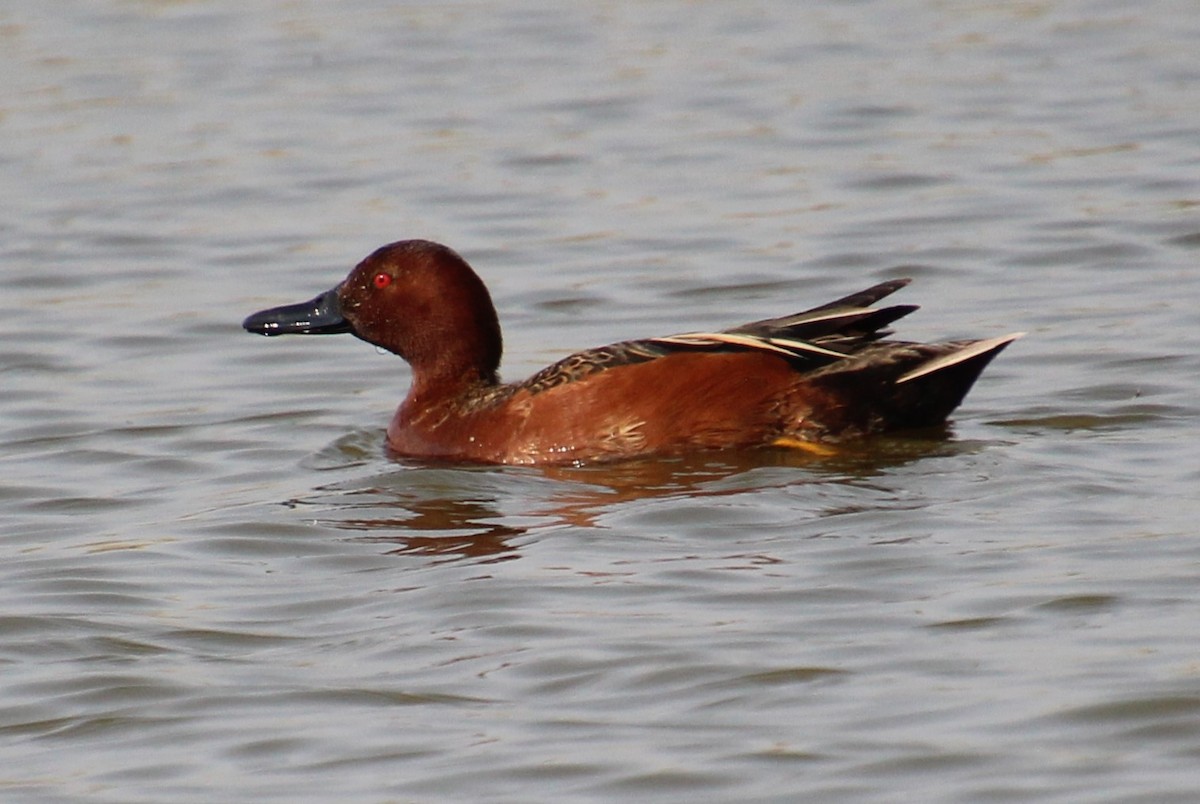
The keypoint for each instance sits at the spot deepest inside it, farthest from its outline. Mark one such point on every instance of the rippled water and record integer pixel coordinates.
(215, 586)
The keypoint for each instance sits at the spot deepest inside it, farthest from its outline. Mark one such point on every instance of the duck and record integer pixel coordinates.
(809, 381)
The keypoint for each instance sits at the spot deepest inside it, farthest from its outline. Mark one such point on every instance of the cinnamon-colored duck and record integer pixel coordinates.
(799, 381)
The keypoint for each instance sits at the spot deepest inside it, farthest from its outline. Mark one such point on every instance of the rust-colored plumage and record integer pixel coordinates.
(818, 376)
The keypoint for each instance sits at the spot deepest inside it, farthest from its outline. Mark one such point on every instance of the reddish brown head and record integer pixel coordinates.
(415, 298)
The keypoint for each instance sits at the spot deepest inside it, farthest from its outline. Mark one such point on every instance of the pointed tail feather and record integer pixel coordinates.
(982, 351)
(928, 394)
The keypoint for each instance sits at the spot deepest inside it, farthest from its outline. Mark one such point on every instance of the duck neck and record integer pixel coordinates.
(455, 355)
(436, 388)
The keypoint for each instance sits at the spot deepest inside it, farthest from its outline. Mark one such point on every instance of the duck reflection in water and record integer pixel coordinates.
(456, 514)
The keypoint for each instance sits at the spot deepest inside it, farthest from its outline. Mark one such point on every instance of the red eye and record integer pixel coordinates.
(382, 280)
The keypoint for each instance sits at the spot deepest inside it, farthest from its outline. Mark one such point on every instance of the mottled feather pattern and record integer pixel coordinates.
(582, 364)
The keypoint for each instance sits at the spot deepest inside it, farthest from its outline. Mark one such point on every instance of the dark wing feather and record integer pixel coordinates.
(864, 298)
(813, 338)
(849, 315)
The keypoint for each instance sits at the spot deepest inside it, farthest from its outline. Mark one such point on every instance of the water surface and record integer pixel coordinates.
(215, 585)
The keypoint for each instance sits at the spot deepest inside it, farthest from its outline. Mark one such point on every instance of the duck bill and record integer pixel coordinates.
(319, 316)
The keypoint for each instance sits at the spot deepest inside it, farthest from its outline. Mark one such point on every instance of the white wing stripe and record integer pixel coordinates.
(784, 346)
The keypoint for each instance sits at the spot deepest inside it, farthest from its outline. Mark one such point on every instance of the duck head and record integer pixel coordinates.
(414, 298)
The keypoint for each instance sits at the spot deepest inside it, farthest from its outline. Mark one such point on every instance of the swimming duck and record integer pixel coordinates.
(804, 381)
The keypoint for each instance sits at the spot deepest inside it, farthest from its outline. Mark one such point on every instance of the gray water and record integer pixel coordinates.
(215, 586)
